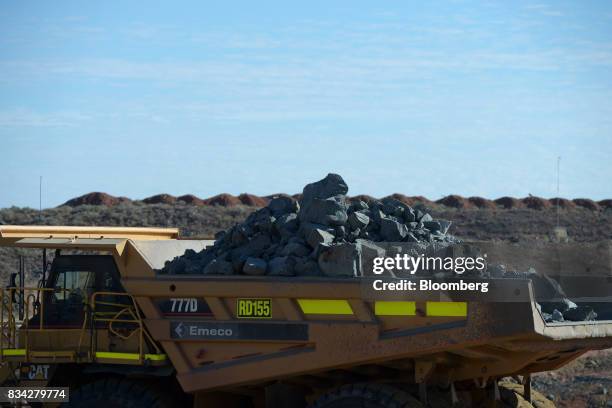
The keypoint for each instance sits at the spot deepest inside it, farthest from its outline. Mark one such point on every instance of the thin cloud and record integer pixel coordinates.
(29, 118)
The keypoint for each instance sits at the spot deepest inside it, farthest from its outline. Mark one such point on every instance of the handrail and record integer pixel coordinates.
(131, 309)
(32, 301)
(34, 307)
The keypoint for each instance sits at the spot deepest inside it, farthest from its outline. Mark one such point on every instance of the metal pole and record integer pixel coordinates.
(44, 268)
(40, 200)
(527, 388)
(558, 197)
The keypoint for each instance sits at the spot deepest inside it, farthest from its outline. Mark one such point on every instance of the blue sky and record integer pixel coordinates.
(422, 98)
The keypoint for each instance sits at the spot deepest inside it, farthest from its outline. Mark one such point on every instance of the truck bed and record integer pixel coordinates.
(322, 327)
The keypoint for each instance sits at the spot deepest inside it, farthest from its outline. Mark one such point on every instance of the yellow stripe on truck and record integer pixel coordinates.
(325, 306)
(448, 309)
(383, 308)
(13, 352)
(129, 356)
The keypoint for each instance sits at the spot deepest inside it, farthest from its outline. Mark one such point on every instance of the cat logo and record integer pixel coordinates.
(254, 308)
(36, 371)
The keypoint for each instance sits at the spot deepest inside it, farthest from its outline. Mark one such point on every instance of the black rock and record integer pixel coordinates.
(376, 216)
(282, 266)
(340, 232)
(340, 260)
(283, 205)
(193, 267)
(255, 266)
(391, 206)
(238, 236)
(418, 214)
(425, 218)
(320, 230)
(432, 226)
(358, 220)
(557, 316)
(261, 220)
(218, 267)
(359, 206)
(296, 249)
(411, 238)
(332, 185)
(367, 252)
(580, 313)
(444, 226)
(330, 211)
(254, 248)
(392, 231)
(237, 264)
(295, 240)
(409, 215)
(286, 224)
(307, 267)
(354, 234)
(176, 267)
(316, 236)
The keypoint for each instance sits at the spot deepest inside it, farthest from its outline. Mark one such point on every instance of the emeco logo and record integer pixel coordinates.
(203, 331)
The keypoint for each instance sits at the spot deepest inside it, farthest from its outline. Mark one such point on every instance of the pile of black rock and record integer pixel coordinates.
(324, 234)
(321, 235)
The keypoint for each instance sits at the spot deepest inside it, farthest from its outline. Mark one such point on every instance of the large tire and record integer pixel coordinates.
(366, 396)
(117, 393)
(512, 396)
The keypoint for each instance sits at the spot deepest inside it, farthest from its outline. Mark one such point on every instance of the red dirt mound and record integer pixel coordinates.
(536, 203)
(482, 203)
(190, 199)
(420, 200)
(563, 203)
(252, 200)
(509, 202)
(412, 200)
(96, 198)
(605, 203)
(586, 203)
(401, 198)
(455, 201)
(223, 200)
(160, 199)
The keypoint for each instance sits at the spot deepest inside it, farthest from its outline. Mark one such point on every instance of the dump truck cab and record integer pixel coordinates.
(76, 318)
(73, 279)
(105, 322)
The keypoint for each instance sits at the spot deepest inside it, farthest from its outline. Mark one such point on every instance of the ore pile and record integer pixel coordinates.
(321, 235)
(552, 302)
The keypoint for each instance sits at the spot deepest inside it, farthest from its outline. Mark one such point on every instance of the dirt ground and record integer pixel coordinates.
(586, 382)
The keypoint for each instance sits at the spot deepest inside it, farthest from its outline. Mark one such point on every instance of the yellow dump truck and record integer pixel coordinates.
(104, 322)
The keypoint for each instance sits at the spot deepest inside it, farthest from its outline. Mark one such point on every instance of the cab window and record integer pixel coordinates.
(73, 284)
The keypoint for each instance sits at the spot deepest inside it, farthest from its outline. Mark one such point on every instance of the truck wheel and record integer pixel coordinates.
(512, 395)
(116, 393)
(366, 396)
